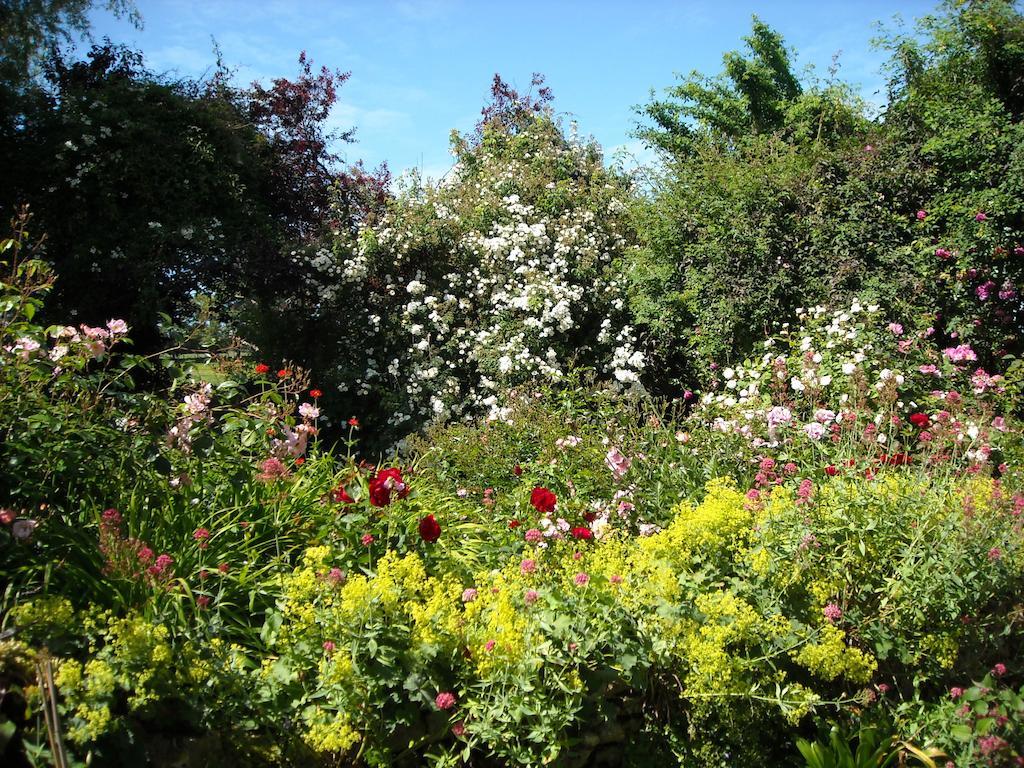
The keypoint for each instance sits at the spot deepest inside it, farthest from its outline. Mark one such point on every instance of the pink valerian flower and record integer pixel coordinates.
(805, 491)
(531, 596)
(469, 595)
(308, 411)
(995, 554)
(790, 468)
(272, 469)
(329, 647)
(617, 463)
(459, 729)
(533, 536)
(992, 744)
(999, 670)
(581, 579)
(445, 700)
(956, 692)
(367, 539)
(832, 612)
(922, 215)
(203, 601)
(528, 566)
(336, 576)
(960, 353)
(202, 536)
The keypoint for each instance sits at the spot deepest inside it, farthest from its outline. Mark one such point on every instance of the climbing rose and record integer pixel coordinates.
(430, 529)
(543, 500)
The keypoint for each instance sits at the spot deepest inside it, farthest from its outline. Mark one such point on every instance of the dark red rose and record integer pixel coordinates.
(513, 523)
(919, 420)
(831, 470)
(384, 483)
(543, 500)
(430, 529)
(582, 532)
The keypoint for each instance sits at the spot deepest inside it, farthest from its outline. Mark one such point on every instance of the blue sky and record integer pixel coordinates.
(423, 67)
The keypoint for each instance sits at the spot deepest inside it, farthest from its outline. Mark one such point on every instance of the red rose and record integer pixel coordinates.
(919, 420)
(383, 483)
(582, 532)
(831, 470)
(430, 530)
(262, 368)
(543, 500)
(513, 523)
(340, 496)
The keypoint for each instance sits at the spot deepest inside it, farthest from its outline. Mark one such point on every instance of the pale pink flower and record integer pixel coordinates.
(617, 463)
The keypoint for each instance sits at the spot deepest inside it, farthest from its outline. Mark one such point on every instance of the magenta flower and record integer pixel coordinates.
(581, 579)
(980, 216)
(922, 215)
(469, 595)
(999, 670)
(528, 566)
(534, 535)
(956, 692)
(832, 612)
(531, 596)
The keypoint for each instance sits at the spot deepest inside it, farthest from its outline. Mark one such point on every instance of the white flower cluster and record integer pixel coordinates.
(503, 275)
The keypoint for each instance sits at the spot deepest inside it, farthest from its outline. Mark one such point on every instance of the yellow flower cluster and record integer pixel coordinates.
(830, 658)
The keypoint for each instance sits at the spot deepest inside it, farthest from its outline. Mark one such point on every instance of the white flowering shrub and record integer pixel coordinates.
(502, 273)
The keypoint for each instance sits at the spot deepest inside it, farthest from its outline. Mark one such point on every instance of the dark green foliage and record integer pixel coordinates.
(776, 196)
